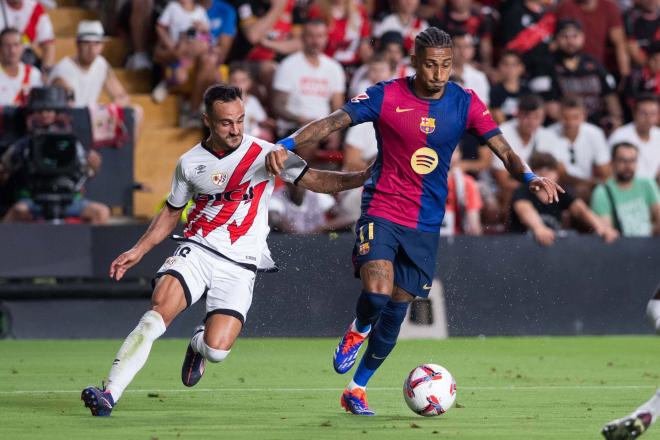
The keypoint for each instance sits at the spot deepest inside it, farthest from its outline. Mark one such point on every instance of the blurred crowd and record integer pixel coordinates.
(574, 85)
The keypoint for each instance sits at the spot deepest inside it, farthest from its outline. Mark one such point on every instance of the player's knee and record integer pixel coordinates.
(215, 355)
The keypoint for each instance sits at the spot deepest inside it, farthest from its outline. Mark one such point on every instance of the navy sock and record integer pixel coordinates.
(368, 309)
(382, 340)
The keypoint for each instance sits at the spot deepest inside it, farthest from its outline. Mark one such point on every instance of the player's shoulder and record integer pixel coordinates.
(194, 154)
(248, 140)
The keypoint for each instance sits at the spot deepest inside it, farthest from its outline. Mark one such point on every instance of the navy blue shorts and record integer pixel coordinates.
(412, 252)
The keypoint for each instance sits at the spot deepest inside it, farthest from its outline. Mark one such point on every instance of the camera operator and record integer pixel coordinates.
(46, 168)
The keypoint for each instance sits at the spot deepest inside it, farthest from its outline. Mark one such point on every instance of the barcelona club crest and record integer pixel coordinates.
(364, 249)
(427, 125)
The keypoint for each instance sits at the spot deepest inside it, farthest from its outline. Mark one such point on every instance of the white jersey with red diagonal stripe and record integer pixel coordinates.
(231, 194)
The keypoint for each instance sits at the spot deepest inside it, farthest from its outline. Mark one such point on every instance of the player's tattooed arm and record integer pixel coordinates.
(331, 182)
(545, 189)
(312, 132)
(160, 228)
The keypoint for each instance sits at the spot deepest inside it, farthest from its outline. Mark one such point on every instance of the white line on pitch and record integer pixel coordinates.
(296, 390)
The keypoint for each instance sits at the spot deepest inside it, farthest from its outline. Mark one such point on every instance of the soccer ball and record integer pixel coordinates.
(429, 390)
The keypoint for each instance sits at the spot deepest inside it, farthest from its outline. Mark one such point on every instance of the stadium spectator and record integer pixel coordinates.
(378, 69)
(527, 28)
(349, 30)
(46, 113)
(222, 27)
(308, 85)
(88, 74)
(526, 135)
(505, 94)
(472, 77)
(602, 21)
(391, 47)
(647, 78)
(644, 133)
(135, 18)
(464, 17)
(183, 39)
(629, 204)
(31, 19)
(463, 209)
(256, 122)
(583, 150)
(642, 22)
(545, 221)
(577, 73)
(404, 21)
(16, 77)
(295, 209)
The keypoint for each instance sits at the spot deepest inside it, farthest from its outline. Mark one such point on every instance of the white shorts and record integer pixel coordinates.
(228, 286)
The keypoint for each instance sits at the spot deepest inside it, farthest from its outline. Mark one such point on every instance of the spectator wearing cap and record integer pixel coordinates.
(404, 21)
(643, 132)
(46, 112)
(87, 74)
(602, 21)
(472, 77)
(583, 150)
(545, 221)
(16, 77)
(576, 73)
(30, 18)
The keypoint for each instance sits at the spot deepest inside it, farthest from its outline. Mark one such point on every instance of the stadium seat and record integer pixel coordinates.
(134, 81)
(155, 158)
(165, 114)
(65, 20)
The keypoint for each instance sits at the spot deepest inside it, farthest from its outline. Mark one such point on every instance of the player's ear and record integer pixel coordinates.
(413, 60)
(205, 118)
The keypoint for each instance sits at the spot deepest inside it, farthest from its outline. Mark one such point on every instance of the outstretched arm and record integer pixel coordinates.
(312, 132)
(521, 171)
(161, 226)
(331, 182)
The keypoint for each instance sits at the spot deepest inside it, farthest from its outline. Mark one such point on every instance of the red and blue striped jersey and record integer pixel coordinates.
(416, 138)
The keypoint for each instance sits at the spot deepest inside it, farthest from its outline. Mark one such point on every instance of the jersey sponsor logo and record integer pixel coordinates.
(403, 110)
(360, 97)
(486, 112)
(424, 160)
(219, 178)
(427, 125)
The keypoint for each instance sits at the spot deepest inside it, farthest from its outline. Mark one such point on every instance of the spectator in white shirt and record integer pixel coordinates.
(308, 85)
(16, 78)
(644, 133)
(32, 21)
(403, 20)
(526, 135)
(256, 122)
(583, 151)
(472, 77)
(295, 209)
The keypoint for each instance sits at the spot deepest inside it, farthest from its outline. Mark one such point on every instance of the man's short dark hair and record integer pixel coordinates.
(511, 53)
(645, 97)
(572, 101)
(616, 147)
(539, 161)
(568, 23)
(7, 31)
(222, 93)
(529, 103)
(238, 66)
(432, 37)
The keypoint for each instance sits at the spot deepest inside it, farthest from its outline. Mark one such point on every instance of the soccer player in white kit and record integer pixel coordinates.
(222, 247)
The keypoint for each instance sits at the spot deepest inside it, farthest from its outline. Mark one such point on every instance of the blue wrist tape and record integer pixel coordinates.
(287, 143)
(529, 177)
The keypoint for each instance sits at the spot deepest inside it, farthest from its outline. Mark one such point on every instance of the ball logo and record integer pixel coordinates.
(424, 160)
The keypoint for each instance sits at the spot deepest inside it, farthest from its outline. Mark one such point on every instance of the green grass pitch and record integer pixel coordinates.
(508, 388)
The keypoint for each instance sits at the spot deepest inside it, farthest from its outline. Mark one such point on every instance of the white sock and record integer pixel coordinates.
(652, 406)
(354, 329)
(352, 385)
(653, 312)
(210, 354)
(134, 352)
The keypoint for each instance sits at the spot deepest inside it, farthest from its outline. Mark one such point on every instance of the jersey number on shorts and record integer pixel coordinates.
(200, 221)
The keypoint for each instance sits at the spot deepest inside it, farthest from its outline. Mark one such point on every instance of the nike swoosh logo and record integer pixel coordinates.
(376, 357)
(426, 287)
(403, 110)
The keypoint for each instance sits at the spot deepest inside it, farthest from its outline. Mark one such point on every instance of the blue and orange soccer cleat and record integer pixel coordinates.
(355, 402)
(192, 369)
(347, 350)
(99, 401)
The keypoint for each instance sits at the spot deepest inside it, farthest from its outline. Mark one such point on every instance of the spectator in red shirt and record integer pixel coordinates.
(348, 30)
(404, 20)
(642, 23)
(602, 22)
(462, 213)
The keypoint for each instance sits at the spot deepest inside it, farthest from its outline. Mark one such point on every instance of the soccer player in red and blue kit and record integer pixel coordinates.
(418, 122)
